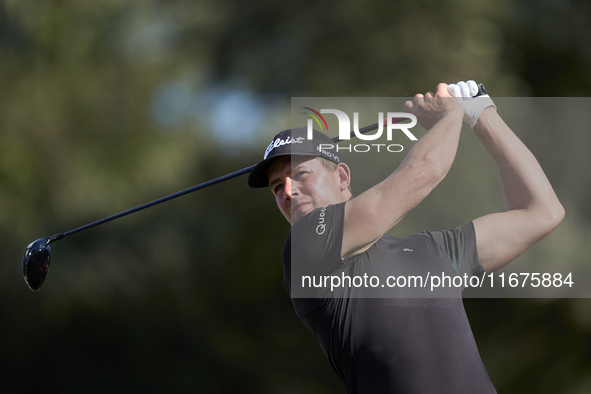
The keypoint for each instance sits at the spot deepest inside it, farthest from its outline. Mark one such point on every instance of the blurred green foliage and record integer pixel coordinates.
(107, 104)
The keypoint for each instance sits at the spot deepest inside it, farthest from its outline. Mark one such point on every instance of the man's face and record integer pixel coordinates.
(301, 184)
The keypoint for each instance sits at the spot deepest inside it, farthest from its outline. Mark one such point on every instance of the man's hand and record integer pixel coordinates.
(431, 108)
(473, 104)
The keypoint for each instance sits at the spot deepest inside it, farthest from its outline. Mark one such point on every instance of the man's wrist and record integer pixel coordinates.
(485, 116)
(455, 114)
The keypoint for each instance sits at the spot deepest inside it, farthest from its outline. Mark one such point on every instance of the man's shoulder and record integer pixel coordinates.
(319, 220)
(317, 234)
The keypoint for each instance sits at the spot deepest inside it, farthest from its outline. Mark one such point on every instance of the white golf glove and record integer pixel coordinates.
(473, 104)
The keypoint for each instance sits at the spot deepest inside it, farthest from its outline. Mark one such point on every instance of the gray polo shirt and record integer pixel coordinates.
(382, 339)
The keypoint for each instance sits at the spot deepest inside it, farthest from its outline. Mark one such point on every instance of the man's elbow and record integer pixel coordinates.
(553, 216)
(558, 214)
(433, 170)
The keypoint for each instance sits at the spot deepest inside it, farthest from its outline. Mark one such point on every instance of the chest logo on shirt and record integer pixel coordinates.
(407, 250)
(321, 228)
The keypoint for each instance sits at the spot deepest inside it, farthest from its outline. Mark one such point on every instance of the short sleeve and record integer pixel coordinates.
(459, 245)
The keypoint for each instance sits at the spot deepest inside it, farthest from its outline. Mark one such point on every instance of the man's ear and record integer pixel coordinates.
(344, 176)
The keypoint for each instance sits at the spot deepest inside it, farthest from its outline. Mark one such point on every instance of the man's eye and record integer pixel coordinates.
(278, 188)
(299, 174)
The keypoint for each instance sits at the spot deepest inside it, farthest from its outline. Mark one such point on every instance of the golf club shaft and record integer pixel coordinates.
(158, 201)
(55, 237)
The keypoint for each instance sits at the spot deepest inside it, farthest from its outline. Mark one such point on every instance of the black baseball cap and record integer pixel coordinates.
(293, 142)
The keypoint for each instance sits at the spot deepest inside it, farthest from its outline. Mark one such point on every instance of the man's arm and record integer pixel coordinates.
(533, 210)
(371, 214)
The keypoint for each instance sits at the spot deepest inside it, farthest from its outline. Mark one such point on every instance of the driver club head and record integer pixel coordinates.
(36, 262)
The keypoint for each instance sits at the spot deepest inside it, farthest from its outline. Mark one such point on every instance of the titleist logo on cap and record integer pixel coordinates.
(280, 142)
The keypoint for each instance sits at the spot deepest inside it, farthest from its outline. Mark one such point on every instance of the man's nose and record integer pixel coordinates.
(287, 188)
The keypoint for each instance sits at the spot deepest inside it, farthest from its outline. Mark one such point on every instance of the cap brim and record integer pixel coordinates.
(259, 177)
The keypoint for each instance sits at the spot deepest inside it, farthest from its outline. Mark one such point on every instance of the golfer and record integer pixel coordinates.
(400, 344)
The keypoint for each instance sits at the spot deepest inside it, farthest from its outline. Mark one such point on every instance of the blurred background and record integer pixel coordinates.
(108, 104)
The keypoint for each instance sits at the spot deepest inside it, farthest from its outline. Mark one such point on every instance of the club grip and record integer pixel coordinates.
(481, 90)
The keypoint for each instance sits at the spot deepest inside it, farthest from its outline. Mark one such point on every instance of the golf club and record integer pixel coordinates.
(36, 258)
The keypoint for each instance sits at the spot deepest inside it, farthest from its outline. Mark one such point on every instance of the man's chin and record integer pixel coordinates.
(300, 213)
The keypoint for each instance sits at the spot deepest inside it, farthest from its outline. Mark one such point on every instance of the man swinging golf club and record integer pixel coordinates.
(402, 344)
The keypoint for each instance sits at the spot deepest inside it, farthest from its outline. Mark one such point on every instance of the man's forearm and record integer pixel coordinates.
(438, 148)
(371, 214)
